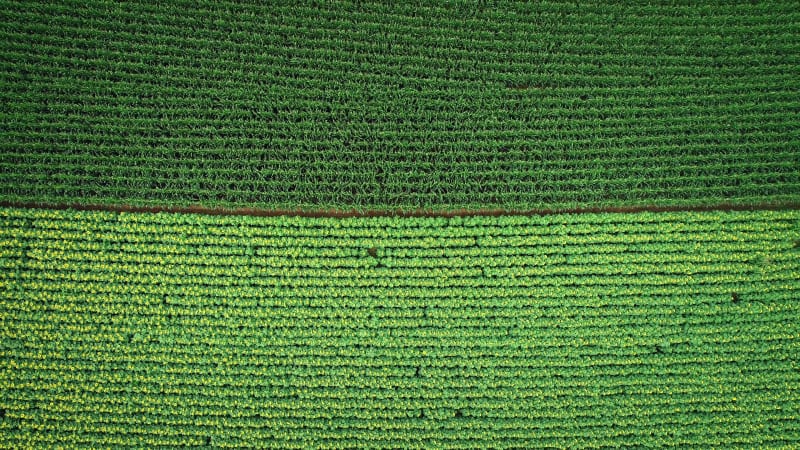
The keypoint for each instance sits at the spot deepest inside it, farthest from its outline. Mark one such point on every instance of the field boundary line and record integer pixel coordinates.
(266, 212)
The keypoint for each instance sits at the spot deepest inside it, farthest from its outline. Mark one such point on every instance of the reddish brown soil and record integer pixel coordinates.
(397, 213)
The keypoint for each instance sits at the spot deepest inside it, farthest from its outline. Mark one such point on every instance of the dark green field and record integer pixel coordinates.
(564, 331)
(439, 105)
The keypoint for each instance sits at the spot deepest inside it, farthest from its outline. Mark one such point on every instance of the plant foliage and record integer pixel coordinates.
(371, 105)
(566, 331)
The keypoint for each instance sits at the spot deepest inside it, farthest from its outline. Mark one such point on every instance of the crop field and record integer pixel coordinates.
(574, 330)
(436, 105)
(430, 224)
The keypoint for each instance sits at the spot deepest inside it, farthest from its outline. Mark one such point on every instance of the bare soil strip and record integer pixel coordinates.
(397, 213)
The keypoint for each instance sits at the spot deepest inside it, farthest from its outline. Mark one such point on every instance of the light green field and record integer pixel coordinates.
(436, 105)
(579, 331)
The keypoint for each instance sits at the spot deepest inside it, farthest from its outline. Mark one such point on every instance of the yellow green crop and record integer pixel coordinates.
(578, 331)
